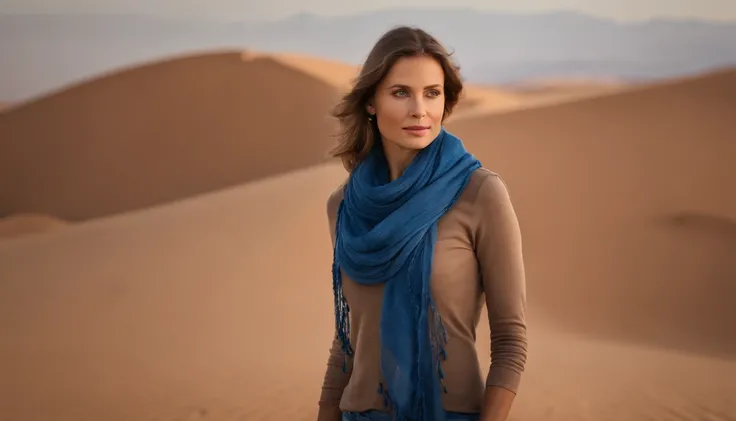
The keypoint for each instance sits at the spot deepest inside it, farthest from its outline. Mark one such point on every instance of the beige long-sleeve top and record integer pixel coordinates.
(478, 254)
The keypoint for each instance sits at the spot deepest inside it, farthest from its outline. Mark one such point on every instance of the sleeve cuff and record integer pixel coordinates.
(503, 377)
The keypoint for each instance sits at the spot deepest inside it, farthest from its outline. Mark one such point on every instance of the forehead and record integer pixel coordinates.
(416, 72)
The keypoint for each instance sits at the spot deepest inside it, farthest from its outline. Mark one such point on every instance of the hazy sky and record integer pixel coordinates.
(274, 9)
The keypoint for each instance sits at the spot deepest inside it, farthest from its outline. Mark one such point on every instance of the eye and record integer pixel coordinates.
(434, 93)
(401, 92)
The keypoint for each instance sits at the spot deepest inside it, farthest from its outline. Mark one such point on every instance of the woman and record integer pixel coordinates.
(417, 211)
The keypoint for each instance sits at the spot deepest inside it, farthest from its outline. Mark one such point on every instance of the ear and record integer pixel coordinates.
(370, 108)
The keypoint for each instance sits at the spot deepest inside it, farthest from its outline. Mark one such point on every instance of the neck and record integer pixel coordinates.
(398, 159)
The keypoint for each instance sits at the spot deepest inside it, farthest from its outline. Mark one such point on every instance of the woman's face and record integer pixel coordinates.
(409, 103)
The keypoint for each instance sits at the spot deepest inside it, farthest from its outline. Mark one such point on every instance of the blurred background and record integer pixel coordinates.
(164, 248)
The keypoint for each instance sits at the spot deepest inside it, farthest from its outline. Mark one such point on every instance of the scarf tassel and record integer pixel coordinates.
(438, 338)
(342, 310)
(342, 319)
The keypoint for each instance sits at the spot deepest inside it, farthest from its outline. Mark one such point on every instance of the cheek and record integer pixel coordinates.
(392, 112)
(435, 109)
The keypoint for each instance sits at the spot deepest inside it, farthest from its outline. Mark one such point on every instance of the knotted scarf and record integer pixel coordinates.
(385, 233)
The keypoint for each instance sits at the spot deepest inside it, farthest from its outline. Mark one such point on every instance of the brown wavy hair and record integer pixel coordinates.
(358, 133)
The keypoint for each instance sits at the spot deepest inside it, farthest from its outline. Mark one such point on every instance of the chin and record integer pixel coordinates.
(417, 143)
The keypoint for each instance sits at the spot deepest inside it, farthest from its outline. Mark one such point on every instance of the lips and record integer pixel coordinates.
(416, 128)
(417, 131)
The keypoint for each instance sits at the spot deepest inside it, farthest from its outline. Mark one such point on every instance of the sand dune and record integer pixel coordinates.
(161, 132)
(21, 225)
(483, 100)
(557, 94)
(567, 84)
(598, 183)
(187, 311)
(479, 100)
(336, 73)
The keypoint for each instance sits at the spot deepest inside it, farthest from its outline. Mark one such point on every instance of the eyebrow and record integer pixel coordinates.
(436, 85)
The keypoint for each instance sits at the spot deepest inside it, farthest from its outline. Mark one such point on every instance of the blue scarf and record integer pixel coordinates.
(385, 233)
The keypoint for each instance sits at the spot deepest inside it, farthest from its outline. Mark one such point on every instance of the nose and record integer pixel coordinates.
(417, 109)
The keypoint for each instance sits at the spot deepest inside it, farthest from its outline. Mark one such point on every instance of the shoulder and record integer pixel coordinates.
(492, 207)
(493, 217)
(488, 188)
(333, 201)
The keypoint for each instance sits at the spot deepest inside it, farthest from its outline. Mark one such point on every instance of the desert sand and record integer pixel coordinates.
(549, 92)
(213, 301)
(569, 84)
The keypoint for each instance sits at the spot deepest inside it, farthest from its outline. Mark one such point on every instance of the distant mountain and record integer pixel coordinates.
(39, 53)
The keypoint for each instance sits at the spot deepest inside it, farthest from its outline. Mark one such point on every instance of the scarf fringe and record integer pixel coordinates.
(342, 310)
(438, 339)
